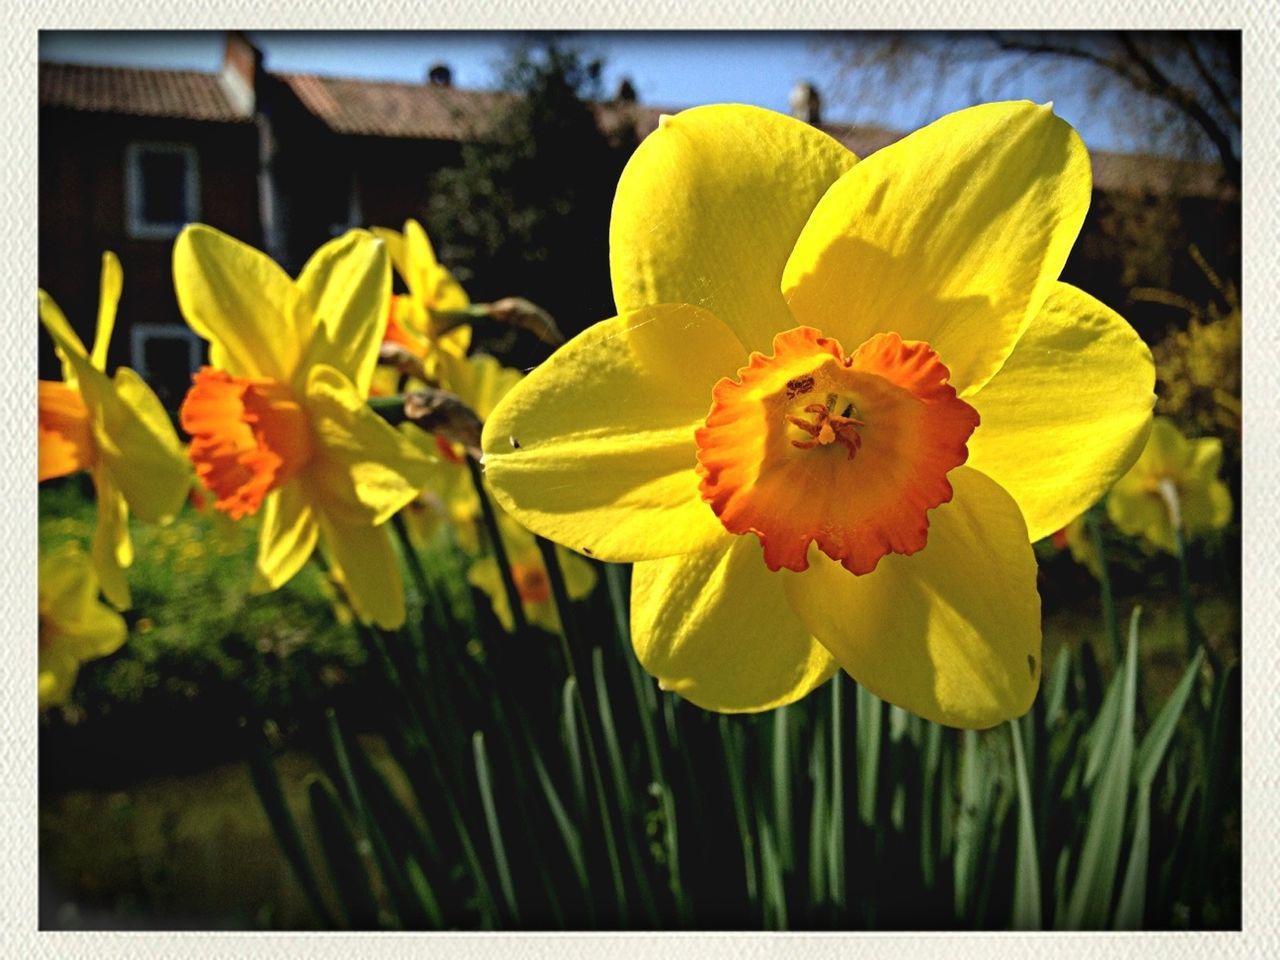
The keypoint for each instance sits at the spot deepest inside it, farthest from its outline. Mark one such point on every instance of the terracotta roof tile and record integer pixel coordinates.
(418, 111)
(184, 94)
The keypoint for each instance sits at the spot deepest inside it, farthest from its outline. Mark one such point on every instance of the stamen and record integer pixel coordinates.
(828, 429)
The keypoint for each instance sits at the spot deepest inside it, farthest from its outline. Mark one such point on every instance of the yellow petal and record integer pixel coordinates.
(366, 562)
(431, 284)
(395, 249)
(579, 574)
(1140, 511)
(715, 627)
(255, 318)
(363, 469)
(138, 445)
(286, 537)
(1205, 500)
(112, 550)
(74, 625)
(708, 209)
(480, 381)
(595, 448)
(951, 633)
(347, 283)
(68, 586)
(66, 342)
(953, 235)
(108, 299)
(1068, 413)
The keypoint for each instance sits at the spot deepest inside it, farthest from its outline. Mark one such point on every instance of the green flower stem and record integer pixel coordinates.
(390, 409)
(1195, 636)
(499, 549)
(560, 594)
(1104, 582)
(411, 558)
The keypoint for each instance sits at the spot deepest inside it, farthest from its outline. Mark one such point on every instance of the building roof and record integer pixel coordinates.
(352, 107)
(181, 94)
(414, 111)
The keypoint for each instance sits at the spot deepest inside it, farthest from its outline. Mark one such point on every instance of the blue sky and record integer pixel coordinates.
(667, 69)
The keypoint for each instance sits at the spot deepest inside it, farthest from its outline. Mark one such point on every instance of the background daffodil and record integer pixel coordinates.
(872, 369)
(1174, 481)
(74, 625)
(480, 382)
(114, 427)
(530, 576)
(279, 420)
(413, 319)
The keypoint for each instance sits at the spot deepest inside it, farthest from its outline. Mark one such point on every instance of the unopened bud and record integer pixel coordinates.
(440, 412)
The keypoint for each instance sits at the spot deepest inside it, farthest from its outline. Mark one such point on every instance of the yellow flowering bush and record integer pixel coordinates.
(868, 366)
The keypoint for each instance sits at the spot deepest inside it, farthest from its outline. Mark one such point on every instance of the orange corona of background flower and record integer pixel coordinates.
(839, 401)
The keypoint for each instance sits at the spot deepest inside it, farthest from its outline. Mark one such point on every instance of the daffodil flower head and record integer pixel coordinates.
(74, 625)
(530, 576)
(413, 320)
(278, 420)
(1174, 483)
(840, 400)
(114, 427)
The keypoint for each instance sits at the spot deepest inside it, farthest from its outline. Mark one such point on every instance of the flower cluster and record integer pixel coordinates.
(839, 401)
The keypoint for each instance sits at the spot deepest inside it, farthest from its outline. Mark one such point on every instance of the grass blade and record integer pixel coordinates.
(491, 821)
(870, 716)
(1156, 742)
(782, 786)
(346, 866)
(1090, 904)
(737, 788)
(1133, 890)
(775, 901)
(267, 784)
(621, 788)
(569, 724)
(1026, 883)
(819, 814)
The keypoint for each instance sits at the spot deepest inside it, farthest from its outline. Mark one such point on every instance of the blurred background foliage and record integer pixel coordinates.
(456, 775)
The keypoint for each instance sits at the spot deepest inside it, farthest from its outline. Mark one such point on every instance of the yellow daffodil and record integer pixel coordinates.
(1173, 483)
(74, 625)
(413, 319)
(279, 421)
(114, 427)
(839, 402)
(530, 576)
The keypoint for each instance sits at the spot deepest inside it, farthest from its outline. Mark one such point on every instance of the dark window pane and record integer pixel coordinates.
(168, 365)
(164, 189)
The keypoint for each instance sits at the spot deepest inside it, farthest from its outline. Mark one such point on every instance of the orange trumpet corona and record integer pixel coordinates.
(849, 452)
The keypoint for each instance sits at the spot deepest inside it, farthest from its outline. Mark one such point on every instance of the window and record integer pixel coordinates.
(162, 189)
(166, 355)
